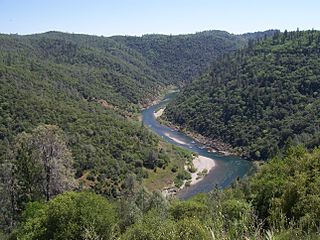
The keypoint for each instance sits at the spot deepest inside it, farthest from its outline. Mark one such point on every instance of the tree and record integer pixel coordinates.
(40, 168)
(256, 100)
(152, 160)
(51, 151)
(69, 216)
(192, 229)
(152, 227)
(286, 190)
(155, 226)
(189, 209)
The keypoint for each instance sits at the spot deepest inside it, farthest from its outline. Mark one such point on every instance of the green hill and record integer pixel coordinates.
(89, 87)
(100, 67)
(181, 58)
(85, 93)
(259, 99)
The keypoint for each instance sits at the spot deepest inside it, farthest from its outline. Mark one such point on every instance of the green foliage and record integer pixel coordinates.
(192, 229)
(231, 215)
(40, 167)
(286, 190)
(181, 177)
(183, 57)
(93, 67)
(133, 208)
(161, 220)
(154, 227)
(106, 145)
(281, 201)
(189, 209)
(89, 87)
(69, 216)
(259, 98)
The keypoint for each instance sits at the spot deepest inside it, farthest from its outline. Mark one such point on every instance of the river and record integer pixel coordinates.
(227, 168)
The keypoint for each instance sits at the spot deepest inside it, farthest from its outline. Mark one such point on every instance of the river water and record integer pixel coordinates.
(227, 168)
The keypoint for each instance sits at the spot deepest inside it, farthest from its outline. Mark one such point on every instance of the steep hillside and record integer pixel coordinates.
(181, 58)
(280, 202)
(89, 86)
(100, 67)
(258, 99)
(57, 79)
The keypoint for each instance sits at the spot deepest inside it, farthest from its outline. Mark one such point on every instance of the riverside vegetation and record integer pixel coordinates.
(260, 99)
(73, 156)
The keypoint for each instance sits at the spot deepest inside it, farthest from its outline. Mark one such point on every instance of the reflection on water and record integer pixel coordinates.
(227, 168)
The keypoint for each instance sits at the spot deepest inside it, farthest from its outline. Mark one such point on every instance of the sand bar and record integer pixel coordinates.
(201, 163)
(177, 140)
(158, 113)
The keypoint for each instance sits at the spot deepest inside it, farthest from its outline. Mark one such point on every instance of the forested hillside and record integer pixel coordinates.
(125, 71)
(89, 86)
(260, 99)
(171, 121)
(281, 202)
(181, 58)
(100, 67)
(68, 81)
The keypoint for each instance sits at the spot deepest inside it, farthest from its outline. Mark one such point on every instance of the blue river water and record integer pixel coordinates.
(227, 168)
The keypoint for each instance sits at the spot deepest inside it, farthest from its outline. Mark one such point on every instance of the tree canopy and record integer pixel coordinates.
(259, 99)
(281, 201)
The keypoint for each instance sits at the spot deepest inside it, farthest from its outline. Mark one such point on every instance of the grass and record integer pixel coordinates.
(163, 177)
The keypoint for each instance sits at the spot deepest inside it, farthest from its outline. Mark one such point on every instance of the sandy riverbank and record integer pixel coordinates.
(177, 140)
(203, 165)
(158, 113)
(213, 145)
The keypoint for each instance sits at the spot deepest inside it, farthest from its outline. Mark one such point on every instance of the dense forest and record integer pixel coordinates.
(57, 79)
(75, 162)
(68, 107)
(93, 67)
(260, 99)
(280, 202)
(181, 58)
(90, 87)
